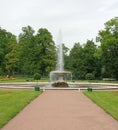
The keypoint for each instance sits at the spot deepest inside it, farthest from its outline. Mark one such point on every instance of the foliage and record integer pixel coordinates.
(89, 76)
(107, 100)
(76, 61)
(83, 60)
(109, 48)
(46, 52)
(66, 57)
(6, 40)
(37, 76)
(12, 102)
(90, 61)
(12, 58)
(27, 49)
(35, 52)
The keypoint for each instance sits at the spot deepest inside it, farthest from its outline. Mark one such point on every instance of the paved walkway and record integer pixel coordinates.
(62, 110)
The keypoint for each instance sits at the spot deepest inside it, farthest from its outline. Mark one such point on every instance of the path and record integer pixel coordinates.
(62, 110)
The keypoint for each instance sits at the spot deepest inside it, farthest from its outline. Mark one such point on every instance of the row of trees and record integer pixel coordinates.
(29, 54)
(101, 61)
(35, 52)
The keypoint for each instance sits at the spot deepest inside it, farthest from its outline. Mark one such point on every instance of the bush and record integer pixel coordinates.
(89, 76)
(37, 76)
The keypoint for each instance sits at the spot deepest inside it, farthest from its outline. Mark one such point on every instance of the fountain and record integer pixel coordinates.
(59, 76)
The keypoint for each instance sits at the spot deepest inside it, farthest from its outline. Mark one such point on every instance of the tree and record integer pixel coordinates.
(76, 62)
(109, 48)
(12, 65)
(84, 59)
(66, 57)
(46, 51)
(98, 63)
(6, 40)
(27, 45)
(37, 52)
(89, 58)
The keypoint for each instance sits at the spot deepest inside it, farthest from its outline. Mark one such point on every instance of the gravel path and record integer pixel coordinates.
(62, 110)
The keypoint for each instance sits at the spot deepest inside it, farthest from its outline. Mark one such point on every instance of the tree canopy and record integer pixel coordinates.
(109, 48)
(31, 53)
(35, 52)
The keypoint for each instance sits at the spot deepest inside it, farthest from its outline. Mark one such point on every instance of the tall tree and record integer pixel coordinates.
(76, 62)
(6, 39)
(37, 52)
(12, 58)
(46, 51)
(66, 57)
(109, 46)
(27, 44)
(89, 58)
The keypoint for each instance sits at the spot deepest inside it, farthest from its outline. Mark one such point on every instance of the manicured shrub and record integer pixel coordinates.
(89, 76)
(37, 76)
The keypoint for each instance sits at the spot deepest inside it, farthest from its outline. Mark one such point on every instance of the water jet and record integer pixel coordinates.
(59, 76)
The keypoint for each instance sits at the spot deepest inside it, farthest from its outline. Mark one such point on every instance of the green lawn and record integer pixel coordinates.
(13, 101)
(108, 100)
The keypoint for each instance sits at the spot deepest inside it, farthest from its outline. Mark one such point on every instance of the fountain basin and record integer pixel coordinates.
(60, 84)
(59, 75)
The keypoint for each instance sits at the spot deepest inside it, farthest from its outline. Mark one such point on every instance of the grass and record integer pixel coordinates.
(12, 102)
(108, 100)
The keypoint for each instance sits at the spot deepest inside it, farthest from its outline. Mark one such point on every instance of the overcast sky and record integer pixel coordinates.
(78, 20)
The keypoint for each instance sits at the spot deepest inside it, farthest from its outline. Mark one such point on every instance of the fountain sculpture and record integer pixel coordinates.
(59, 76)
